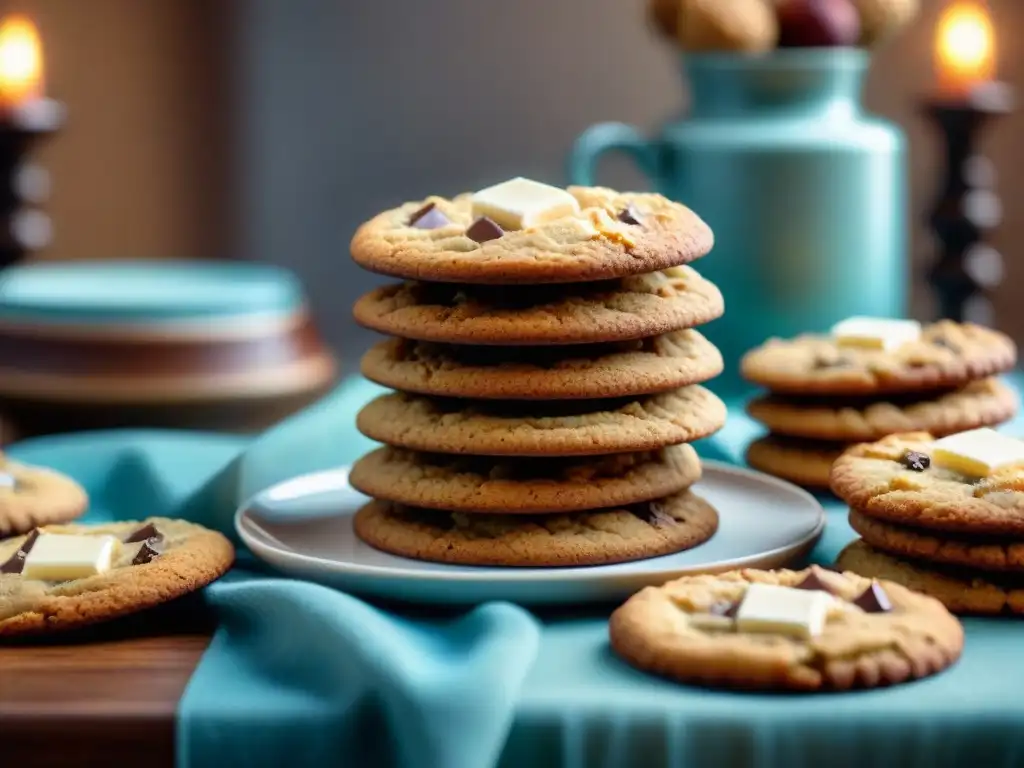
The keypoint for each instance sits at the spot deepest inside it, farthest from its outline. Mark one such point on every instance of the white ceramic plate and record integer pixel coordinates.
(303, 527)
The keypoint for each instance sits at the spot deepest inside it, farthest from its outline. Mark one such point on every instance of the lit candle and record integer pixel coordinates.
(21, 62)
(965, 55)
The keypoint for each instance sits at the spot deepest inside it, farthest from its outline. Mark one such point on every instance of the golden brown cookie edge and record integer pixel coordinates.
(686, 312)
(1003, 358)
(941, 548)
(631, 550)
(791, 420)
(686, 239)
(494, 383)
(374, 421)
(961, 596)
(677, 469)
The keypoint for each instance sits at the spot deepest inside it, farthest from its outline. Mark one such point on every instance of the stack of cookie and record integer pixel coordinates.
(940, 516)
(547, 373)
(868, 379)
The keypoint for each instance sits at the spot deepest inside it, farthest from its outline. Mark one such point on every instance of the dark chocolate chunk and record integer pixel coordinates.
(873, 600)
(483, 229)
(725, 608)
(147, 552)
(145, 533)
(813, 581)
(941, 341)
(631, 216)
(428, 217)
(916, 461)
(16, 563)
(652, 513)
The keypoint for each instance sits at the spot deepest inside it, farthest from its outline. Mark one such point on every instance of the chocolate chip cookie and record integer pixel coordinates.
(523, 486)
(31, 496)
(622, 369)
(980, 404)
(630, 308)
(984, 553)
(896, 480)
(534, 428)
(947, 354)
(593, 537)
(804, 462)
(609, 235)
(151, 562)
(725, 631)
(961, 590)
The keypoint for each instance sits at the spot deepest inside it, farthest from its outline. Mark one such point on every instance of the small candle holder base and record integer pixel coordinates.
(967, 209)
(24, 227)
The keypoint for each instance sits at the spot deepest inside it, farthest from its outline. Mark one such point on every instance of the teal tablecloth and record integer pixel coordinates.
(301, 675)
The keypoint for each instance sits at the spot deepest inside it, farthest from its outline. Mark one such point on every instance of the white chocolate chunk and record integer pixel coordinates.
(798, 613)
(60, 557)
(521, 203)
(875, 333)
(978, 452)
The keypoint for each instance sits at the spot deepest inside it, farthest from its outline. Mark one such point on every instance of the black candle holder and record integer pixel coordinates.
(24, 227)
(967, 209)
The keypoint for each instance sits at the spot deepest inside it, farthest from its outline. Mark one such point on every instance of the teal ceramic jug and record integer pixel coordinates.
(804, 191)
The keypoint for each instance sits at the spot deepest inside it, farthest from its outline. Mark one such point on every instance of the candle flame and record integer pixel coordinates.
(965, 50)
(21, 60)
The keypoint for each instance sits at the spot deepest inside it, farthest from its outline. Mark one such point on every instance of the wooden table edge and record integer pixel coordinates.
(81, 703)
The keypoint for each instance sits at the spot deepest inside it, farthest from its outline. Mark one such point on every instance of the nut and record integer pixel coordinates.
(817, 23)
(727, 25)
(882, 19)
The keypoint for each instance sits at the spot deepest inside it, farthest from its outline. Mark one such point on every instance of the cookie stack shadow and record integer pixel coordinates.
(824, 398)
(538, 424)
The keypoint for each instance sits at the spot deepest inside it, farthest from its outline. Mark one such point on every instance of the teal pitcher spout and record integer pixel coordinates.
(805, 192)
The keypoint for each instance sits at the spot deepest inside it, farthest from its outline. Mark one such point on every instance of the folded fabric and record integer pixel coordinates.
(301, 675)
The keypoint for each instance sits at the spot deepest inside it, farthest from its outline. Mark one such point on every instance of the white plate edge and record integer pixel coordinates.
(347, 568)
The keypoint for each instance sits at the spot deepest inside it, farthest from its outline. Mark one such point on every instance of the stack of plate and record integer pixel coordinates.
(206, 345)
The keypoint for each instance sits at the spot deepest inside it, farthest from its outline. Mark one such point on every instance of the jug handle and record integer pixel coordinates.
(601, 138)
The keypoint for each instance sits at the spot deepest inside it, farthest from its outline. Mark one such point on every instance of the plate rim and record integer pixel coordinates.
(514, 575)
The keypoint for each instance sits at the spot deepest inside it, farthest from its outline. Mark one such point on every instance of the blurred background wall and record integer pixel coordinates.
(268, 130)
